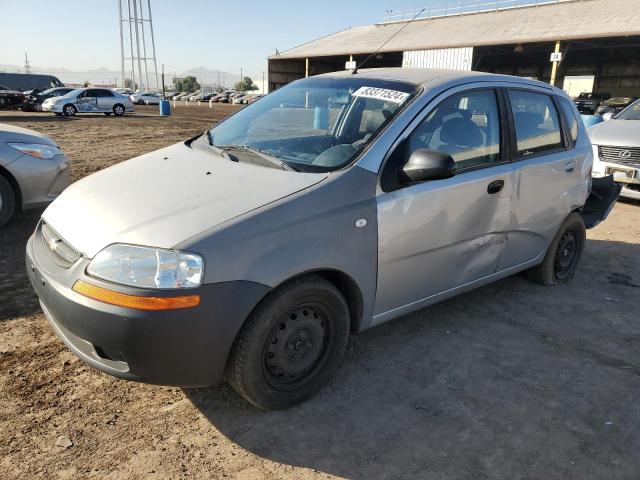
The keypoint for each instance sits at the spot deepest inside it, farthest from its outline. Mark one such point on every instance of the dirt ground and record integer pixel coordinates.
(511, 381)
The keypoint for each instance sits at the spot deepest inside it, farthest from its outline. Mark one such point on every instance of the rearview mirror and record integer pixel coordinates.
(424, 164)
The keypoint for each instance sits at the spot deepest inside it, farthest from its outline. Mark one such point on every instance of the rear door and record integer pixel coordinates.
(552, 167)
(105, 100)
(441, 234)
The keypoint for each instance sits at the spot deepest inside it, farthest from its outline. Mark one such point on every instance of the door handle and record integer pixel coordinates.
(495, 186)
(570, 166)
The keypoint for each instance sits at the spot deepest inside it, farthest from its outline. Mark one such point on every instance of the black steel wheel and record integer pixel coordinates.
(291, 345)
(563, 256)
(296, 345)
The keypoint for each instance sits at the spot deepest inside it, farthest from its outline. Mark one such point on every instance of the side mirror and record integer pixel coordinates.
(607, 116)
(424, 164)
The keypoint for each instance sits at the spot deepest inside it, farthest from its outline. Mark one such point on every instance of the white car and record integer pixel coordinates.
(89, 100)
(142, 98)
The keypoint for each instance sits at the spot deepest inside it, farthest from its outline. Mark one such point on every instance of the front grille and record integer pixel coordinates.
(63, 253)
(628, 156)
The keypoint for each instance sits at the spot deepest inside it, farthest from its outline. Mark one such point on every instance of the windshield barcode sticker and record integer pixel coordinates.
(381, 94)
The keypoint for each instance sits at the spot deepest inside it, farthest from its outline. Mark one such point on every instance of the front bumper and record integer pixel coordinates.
(187, 347)
(626, 175)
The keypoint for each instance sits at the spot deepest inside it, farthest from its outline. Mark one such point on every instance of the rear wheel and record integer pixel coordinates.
(7, 201)
(118, 109)
(69, 110)
(291, 345)
(562, 259)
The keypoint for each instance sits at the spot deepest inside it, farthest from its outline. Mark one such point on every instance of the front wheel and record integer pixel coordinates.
(291, 345)
(7, 201)
(118, 110)
(562, 259)
(69, 110)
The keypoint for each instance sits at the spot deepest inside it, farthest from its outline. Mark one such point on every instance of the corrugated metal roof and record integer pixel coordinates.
(580, 19)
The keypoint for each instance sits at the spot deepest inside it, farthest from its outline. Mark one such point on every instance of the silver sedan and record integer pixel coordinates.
(616, 149)
(33, 170)
(89, 100)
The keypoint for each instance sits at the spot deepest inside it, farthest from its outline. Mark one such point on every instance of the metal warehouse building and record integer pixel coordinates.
(598, 41)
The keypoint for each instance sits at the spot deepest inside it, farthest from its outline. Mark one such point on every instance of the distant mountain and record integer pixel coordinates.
(105, 76)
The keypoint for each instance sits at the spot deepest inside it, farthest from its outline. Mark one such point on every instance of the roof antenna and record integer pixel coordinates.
(355, 70)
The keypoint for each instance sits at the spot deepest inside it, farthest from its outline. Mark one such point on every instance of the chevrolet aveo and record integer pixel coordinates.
(332, 205)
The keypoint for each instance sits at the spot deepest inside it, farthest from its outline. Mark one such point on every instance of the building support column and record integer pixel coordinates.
(306, 67)
(554, 67)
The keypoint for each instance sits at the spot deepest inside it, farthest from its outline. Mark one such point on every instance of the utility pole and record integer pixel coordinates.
(133, 70)
(121, 42)
(241, 82)
(153, 43)
(264, 90)
(144, 48)
(27, 67)
(135, 20)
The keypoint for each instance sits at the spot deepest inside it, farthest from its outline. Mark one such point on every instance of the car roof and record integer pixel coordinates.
(424, 76)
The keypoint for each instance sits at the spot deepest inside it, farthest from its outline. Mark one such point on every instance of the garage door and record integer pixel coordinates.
(448, 58)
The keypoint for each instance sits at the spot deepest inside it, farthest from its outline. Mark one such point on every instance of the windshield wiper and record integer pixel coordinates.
(273, 159)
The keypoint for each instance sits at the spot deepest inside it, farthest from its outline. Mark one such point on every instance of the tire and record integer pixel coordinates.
(273, 363)
(69, 110)
(7, 201)
(118, 110)
(140, 102)
(562, 259)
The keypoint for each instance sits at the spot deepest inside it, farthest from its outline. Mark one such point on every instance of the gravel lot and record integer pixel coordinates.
(511, 381)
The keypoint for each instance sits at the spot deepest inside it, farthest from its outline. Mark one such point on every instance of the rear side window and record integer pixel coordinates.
(570, 117)
(536, 121)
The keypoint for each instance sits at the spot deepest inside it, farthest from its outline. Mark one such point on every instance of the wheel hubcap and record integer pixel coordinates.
(296, 345)
(566, 255)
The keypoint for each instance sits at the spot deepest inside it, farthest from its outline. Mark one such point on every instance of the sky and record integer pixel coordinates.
(221, 35)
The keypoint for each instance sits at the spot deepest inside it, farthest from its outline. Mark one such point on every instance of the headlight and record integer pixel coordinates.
(37, 150)
(147, 267)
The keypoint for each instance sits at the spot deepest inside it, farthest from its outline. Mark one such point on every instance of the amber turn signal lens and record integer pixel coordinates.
(134, 301)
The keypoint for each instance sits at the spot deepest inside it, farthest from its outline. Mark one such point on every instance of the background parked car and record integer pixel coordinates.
(142, 98)
(616, 149)
(10, 97)
(28, 81)
(615, 105)
(33, 103)
(33, 170)
(89, 100)
(587, 103)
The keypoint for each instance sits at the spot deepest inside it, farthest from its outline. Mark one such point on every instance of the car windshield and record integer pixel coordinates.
(316, 124)
(632, 112)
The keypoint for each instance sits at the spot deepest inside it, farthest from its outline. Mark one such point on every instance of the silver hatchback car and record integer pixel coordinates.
(89, 100)
(330, 206)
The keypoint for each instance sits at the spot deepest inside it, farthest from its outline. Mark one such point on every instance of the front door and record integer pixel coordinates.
(442, 234)
(87, 101)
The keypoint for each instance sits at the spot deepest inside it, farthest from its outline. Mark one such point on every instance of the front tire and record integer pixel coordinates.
(562, 259)
(69, 110)
(7, 201)
(291, 345)
(118, 110)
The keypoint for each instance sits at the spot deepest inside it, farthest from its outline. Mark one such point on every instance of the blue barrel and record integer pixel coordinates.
(590, 120)
(165, 107)
(321, 118)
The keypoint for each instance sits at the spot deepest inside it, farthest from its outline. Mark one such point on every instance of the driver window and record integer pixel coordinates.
(465, 126)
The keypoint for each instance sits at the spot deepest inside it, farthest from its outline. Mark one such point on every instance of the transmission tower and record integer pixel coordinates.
(27, 67)
(136, 25)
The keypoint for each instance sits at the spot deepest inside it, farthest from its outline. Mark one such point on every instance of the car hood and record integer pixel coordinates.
(624, 133)
(165, 197)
